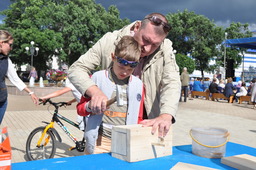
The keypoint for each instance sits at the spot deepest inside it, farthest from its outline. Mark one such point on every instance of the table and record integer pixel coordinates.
(181, 153)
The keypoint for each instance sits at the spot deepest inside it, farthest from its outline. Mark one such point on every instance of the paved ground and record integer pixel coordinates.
(240, 120)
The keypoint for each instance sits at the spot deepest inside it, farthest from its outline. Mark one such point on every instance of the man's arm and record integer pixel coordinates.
(80, 71)
(98, 100)
(170, 94)
(161, 123)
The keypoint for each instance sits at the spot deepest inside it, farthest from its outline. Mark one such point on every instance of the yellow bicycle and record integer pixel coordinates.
(41, 142)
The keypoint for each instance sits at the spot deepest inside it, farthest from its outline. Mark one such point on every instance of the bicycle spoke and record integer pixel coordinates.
(45, 150)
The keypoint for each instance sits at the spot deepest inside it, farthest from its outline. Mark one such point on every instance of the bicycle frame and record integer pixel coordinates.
(55, 118)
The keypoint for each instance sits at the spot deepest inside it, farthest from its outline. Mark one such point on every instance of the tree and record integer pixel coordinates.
(184, 61)
(71, 27)
(235, 30)
(195, 35)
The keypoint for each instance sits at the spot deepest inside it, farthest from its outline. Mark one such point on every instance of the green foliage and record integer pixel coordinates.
(195, 35)
(72, 27)
(235, 30)
(184, 61)
(198, 36)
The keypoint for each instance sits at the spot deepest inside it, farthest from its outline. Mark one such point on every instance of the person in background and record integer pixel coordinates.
(214, 86)
(191, 83)
(253, 92)
(206, 84)
(117, 81)
(242, 91)
(157, 69)
(197, 86)
(216, 77)
(184, 78)
(33, 74)
(229, 88)
(239, 84)
(32, 77)
(48, 76)
(221, 86)
(7, 70)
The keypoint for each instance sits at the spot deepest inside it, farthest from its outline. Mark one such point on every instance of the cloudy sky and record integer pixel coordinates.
(223, 12)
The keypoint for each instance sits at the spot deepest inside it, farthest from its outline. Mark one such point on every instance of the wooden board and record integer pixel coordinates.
(186, 166)
(200, 93)
(134, 143)
(243, 162)
(244, 98)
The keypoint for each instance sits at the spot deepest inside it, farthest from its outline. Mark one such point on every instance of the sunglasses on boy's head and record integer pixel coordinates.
(124, 62)
(157, 21)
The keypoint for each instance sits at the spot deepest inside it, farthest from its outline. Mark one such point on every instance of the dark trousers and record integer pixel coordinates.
(3, 106)
(185, 89)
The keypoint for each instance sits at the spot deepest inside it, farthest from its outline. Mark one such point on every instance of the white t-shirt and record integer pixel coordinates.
(78, 96)
(75, 92)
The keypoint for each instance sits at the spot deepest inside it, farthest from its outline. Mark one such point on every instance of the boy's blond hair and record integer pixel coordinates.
(128, 48)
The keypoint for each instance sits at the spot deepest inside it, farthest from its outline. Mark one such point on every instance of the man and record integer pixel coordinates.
(157, 69)
(184, 78)
(213, 88)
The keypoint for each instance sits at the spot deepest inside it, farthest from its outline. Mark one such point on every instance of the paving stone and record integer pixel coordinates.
(22, 117)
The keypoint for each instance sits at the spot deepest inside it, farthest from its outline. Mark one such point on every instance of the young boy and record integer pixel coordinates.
(117, 81)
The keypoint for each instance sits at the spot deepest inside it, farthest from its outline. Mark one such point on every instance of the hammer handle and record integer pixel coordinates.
(111, 101)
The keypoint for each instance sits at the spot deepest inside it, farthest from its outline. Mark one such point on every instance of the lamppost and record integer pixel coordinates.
(243, 67)
(225, 53)
(33, 51)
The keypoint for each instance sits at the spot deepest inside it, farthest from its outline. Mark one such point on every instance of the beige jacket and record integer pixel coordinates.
(160, 75)
(184, 78)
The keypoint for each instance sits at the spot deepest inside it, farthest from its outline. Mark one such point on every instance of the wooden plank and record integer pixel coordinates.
(244, 98)
(187, 166)
(134, 143)
(243, 162)
(200, 93)
(221, 96)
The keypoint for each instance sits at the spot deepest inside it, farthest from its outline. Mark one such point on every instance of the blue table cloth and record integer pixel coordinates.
(106, 161)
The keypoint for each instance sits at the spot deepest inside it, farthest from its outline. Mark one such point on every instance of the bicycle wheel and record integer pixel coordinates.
(47, 147)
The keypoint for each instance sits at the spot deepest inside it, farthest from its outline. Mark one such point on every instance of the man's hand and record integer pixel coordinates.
(162, 123)
(98, 100)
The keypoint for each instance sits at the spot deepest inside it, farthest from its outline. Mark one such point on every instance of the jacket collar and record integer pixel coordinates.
(2, 56)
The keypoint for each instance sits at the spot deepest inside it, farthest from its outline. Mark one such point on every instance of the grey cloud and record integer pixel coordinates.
(221, 11)
(217, 10)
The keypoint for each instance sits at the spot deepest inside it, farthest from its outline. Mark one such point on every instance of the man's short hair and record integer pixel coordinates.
(159, 29)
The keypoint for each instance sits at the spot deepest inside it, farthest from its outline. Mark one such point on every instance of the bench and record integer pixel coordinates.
(244, 98)
(205, 94)
(221, 96)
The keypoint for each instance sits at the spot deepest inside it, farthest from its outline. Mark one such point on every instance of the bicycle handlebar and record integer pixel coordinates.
(58, 104)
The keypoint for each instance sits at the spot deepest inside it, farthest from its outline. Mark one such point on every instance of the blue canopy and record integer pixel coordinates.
(249, 43)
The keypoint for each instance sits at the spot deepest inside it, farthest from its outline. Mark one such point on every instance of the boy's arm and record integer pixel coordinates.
(56, 93)
(81, 107)
(71, 101)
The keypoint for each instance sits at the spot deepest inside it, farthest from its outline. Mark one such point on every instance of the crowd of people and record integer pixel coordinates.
(228, 88)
